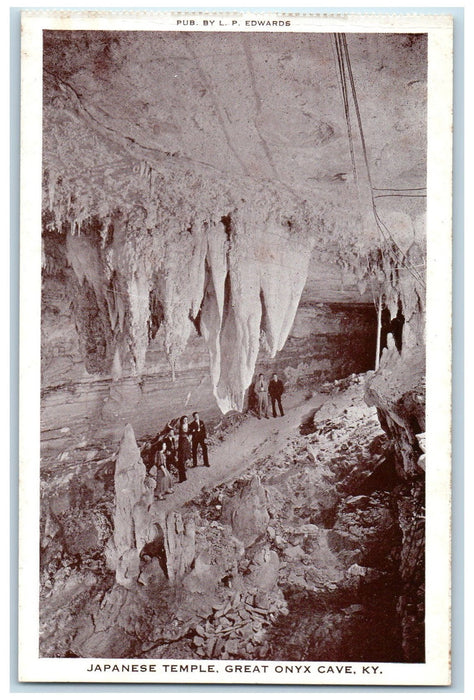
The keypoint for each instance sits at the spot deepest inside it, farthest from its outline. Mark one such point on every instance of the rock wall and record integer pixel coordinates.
(83, 412)
(298, 557)
(398, 390)
(161, 235)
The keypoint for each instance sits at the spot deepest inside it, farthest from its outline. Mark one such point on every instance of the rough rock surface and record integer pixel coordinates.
(398, 392)
(82, 413)
(311, 552)
(247, 513)
(133, 496)
(179, 545)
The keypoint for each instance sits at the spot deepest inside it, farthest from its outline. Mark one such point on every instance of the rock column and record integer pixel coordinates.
(132, 499)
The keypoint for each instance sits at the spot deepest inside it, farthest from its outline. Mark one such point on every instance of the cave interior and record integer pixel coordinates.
(217, 206)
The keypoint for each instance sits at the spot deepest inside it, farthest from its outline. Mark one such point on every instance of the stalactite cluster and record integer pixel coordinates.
(160, 243)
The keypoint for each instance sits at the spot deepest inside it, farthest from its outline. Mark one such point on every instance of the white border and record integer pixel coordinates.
(436, 669)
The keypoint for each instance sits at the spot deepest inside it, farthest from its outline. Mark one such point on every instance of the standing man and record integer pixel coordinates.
(198, 435)
(261, 390)
(276, 389)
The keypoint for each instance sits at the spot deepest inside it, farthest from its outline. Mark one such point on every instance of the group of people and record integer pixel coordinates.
(264, 390)
(175, 450)
(170, 453)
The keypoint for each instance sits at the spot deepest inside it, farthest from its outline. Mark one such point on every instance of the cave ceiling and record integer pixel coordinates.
(205, 178)
(243, 108)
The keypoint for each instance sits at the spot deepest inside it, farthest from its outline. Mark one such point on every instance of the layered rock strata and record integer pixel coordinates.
(178, 227)
(85, 411)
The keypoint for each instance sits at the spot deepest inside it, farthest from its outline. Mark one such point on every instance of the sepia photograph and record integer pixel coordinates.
(232, 351)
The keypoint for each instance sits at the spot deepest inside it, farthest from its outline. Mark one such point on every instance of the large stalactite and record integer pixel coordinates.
(232, 281)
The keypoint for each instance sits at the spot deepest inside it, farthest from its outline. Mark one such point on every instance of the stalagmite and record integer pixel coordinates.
(132, 497)
(179, 544)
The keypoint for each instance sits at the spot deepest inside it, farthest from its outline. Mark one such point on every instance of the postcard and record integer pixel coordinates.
(235, 348)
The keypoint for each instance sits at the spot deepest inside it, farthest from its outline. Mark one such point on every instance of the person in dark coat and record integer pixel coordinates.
(198, 436)
(385, 321)
(252, 405)
(184, 448)
(276, 389)
(147, 454)
(396, 327)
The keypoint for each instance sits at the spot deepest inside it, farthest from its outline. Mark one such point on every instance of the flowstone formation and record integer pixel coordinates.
(232, 278)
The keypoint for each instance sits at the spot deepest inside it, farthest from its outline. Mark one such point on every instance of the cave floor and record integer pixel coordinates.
(294, 542)
(252, 440)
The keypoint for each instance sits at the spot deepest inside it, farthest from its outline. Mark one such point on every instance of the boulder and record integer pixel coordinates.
(264, 569)
(421, 438)
(151, 573)
(203, 577)
(247, 512)
(85, 531)
(128, 568)
(179, 543)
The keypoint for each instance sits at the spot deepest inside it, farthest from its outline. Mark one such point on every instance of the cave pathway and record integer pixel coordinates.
(253, 439)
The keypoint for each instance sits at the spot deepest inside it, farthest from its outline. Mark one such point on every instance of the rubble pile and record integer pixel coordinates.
(238, 626)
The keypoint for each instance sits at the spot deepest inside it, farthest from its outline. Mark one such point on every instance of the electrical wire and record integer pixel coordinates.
(379, 196)
(342, 49)
(398, 189)
(345, 100)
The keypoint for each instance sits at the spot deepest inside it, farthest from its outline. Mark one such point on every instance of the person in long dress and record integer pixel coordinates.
(184, 448)
(171, 442)
(261, 388)
(163, 479)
